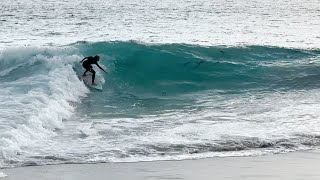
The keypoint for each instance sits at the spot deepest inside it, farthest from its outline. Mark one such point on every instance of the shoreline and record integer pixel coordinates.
(295, 165)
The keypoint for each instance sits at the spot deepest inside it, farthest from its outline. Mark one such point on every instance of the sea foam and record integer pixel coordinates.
(2, 175)
(36, 93)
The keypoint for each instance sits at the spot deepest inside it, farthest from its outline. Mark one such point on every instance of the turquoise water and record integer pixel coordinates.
(185, 80)
(167, 76)
(159, 102)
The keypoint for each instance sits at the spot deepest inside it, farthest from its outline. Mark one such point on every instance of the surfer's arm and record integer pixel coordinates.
(83, 59)
(100, 67)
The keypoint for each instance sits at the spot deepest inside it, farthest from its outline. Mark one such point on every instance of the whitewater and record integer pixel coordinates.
(186, 80)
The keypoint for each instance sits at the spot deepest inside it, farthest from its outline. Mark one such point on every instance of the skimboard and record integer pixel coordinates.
(88, 79)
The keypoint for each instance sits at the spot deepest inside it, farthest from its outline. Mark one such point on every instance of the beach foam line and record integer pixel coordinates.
(2, 175)
(291, 166)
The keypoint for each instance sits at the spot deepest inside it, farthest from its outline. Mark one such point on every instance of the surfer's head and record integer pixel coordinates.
(96, 58)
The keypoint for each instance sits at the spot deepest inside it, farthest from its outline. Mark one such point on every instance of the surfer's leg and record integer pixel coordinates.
(84, 74)
(93, 75)
(88, 68)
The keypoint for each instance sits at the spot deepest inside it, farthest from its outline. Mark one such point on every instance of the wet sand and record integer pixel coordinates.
(291, 166)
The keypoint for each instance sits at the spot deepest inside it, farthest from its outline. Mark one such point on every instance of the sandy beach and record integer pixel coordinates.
(296, 165)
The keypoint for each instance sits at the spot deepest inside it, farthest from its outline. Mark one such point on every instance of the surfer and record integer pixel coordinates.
(86, 63)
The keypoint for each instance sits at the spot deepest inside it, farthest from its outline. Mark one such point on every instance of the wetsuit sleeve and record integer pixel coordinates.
(100, 67)
(83, 59)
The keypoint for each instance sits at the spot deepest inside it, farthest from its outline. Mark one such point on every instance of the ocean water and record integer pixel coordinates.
(186, 79)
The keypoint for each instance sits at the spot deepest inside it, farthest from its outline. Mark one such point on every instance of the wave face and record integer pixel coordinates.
(159, 102)
(179, 68)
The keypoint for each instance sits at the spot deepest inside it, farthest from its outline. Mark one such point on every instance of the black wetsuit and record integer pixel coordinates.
(87, 63)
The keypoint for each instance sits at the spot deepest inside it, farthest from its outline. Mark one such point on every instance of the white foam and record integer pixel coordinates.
(36, 102)
(2, 175)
